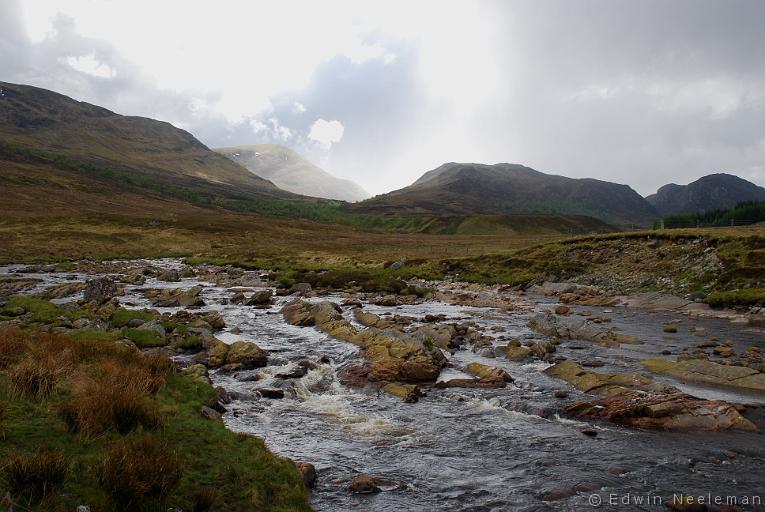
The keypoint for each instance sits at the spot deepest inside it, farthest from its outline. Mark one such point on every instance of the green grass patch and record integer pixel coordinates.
(144, 338)
(744, 297)
(122, 317)
(41, 311)
(92, 335)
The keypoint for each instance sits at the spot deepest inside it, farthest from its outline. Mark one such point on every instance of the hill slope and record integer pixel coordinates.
(57, 128)
(459, 188)
(291, 172)
(712, 192)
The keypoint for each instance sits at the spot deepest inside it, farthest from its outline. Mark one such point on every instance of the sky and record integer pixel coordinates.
(638, 92)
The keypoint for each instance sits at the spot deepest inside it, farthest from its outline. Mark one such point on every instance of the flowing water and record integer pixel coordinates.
(476, 449)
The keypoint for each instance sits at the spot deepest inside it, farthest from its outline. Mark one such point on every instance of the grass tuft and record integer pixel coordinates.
(32, 477)
(136, 472)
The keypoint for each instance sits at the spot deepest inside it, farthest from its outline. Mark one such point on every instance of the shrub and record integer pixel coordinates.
(36, 476)
(114, 397)
(136, 472)
(37, 375)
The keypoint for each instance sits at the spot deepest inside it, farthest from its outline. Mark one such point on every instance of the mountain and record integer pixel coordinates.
(713, 192)
(38, 125)
(291, 172)
(460, 188)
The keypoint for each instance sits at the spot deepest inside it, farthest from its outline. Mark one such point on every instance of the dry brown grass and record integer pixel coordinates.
(32, 477)
(38, 373)
(134, 472)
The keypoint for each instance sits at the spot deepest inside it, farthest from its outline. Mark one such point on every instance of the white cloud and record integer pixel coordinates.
(90, 65)
(298, 108)
(326, 133)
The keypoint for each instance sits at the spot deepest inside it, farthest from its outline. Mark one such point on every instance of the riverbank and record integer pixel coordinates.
(428, 388)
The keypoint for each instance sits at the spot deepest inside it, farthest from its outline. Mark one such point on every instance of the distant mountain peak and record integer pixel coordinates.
(504, 188)
(718, 191)
(291, 172)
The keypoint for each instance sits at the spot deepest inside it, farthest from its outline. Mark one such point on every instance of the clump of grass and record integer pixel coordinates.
(204, 499)
(144, 338)
(32, 477)
(37, 374)
(113, 397)
(122, 317)
(41, 311)
(743, 297)
(136, 472)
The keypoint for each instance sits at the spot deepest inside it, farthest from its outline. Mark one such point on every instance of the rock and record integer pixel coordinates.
(135, 322)
(487, 373)
(577, 327)
(261, 298)
(63, 290)
(198, 372)
(560, 309)
(246, 354)
(636, 400)
(175, 297)
(83, 508)
(271, 393)
(723, 351)
(170, 275)
(364, 484)
(295, 373)
(589, 432)
(410, 393)
(215, 320)
(155, 326)
(100, 290)
(396, 265)
(387, 301)
(560, 393)
(301, 288)
(702, 370)
(516, 353)
(308, 471)
(593, 363)
(670, 328)
(81, 323)
(211, 414)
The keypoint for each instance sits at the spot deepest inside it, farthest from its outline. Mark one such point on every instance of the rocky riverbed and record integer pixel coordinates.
(470, 398)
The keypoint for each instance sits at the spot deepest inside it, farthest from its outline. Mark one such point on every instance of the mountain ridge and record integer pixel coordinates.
(504, 188)
(718, 191)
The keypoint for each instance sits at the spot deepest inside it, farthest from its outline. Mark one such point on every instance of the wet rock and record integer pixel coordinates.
(557, 494)
(301, 288)
(295, 373)
(593, 363)
(271, 393)
(702, 370)
(560, 309)
(215, 320)
(63, 290)
(577, 328)
(308, 472)
(211, 414)
(489, 374)
(670, 328)
(636, 400)
(175, 297)
(589, 432)
(170, 276)
(723, 351)
(246, 354)
(517, 353)
(364, 484)
(560, 393)
(410, 393)
(387, 301)
(100, 290)
(354, 375)
(261, 298)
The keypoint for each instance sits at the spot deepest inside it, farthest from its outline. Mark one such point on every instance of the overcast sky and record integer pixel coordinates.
(637, 92)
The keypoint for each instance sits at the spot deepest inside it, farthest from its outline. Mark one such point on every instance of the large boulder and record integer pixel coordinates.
(577, 328)
(175, 297)
(100, 290)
